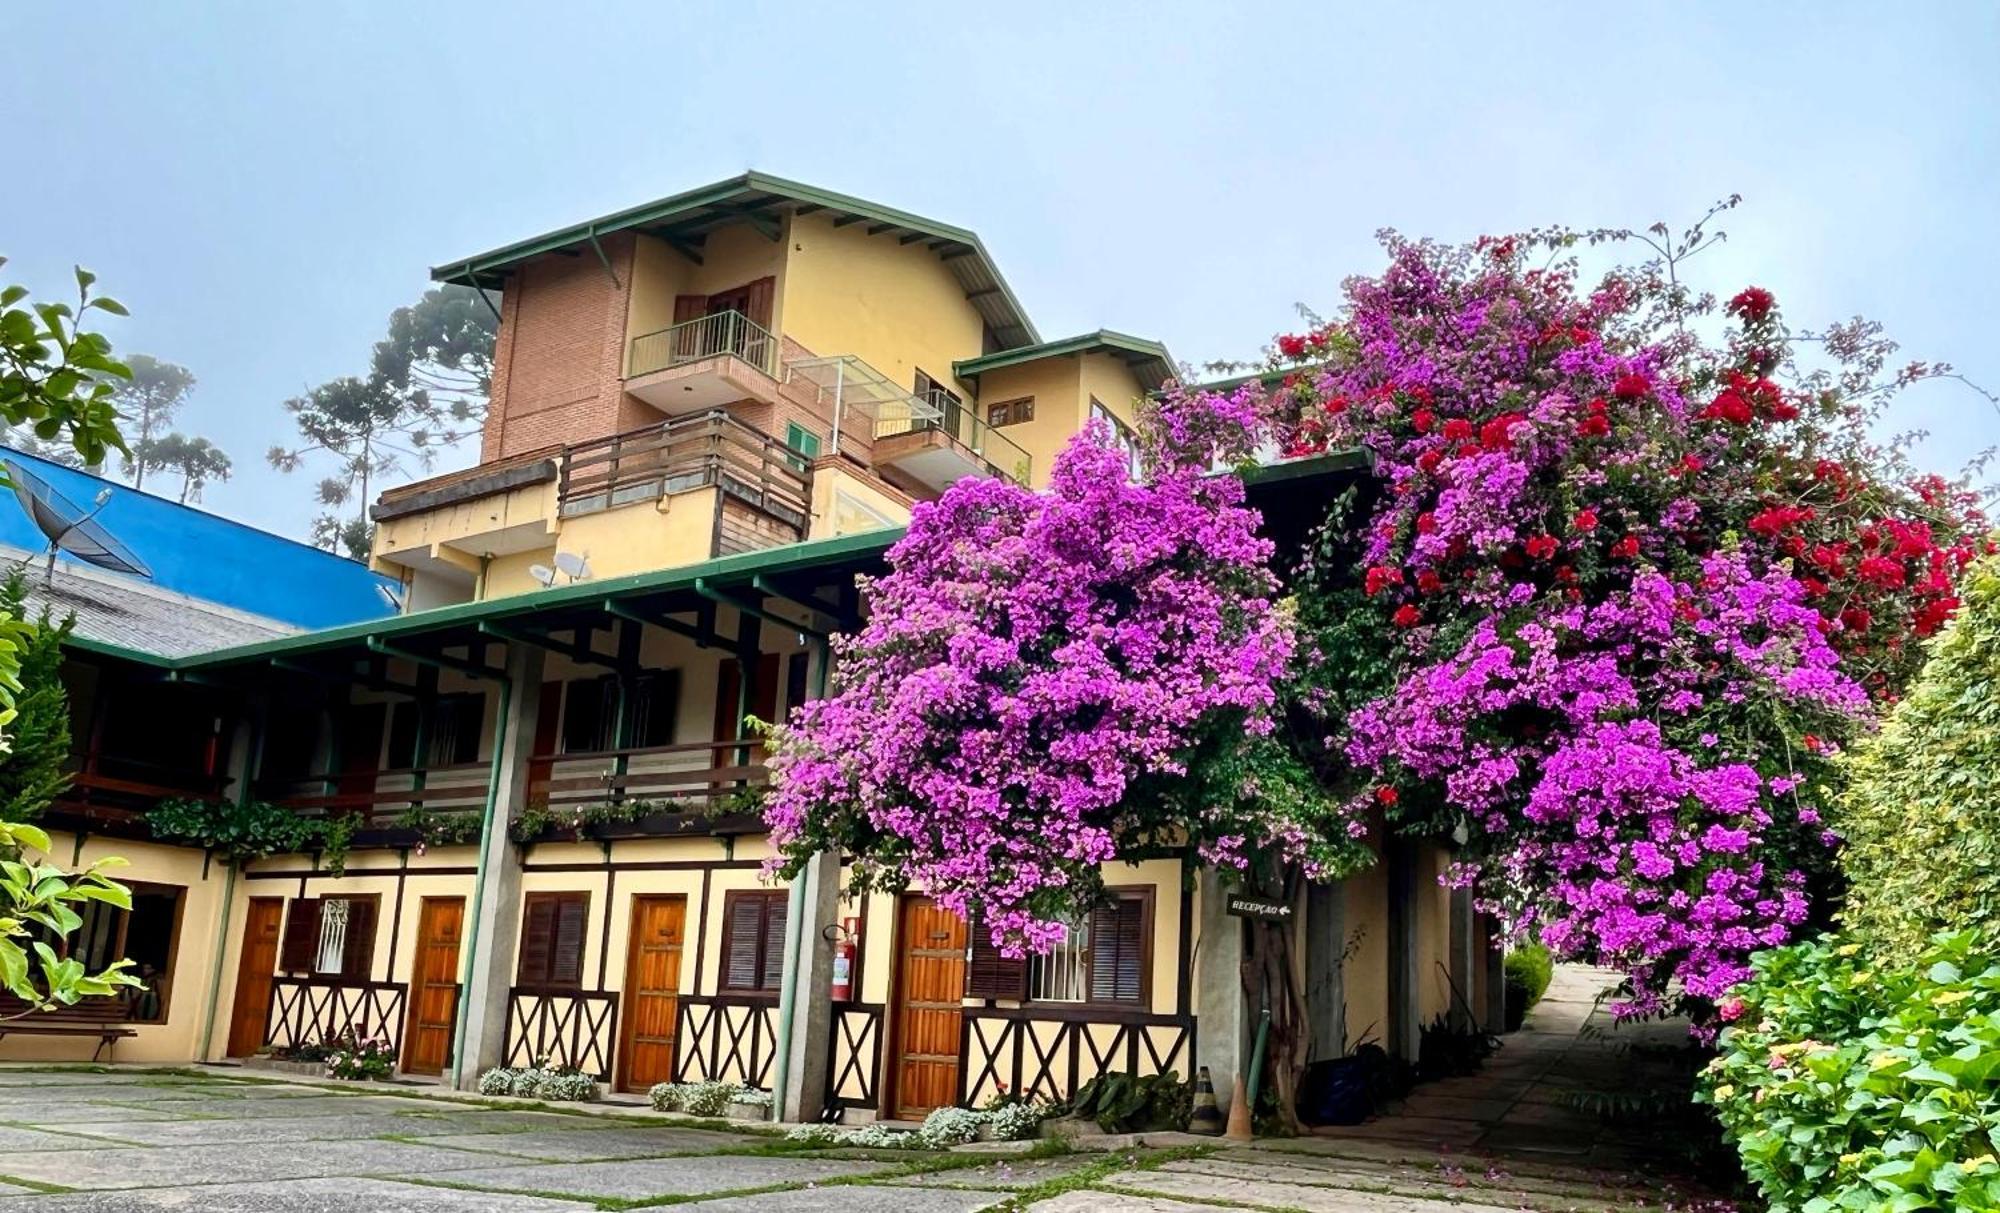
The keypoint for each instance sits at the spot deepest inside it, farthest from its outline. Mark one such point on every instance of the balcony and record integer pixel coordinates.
(714, 449)
(703, 363)
(938, 441)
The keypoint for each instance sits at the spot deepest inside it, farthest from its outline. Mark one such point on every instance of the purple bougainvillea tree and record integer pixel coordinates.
(1050, 681)
(1622, 592)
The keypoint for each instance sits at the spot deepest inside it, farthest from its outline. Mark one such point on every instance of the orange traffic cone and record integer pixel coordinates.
(1239, 1113)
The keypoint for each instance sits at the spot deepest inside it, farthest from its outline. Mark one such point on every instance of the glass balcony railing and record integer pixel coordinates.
(722, 334)
(944, 414)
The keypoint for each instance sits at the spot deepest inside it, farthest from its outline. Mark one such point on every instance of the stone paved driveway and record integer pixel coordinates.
(134, 1141)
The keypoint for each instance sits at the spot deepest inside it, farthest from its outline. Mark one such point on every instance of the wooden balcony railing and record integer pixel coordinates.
(703, 772)
(107, 788)
(380, 797)
(712, 449)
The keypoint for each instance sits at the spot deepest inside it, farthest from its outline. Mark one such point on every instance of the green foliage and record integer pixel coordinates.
(1528, 970)
(238, 832)
(196, 460)
(56, 378)
(539, 819)
(148, 401)
(1921, 812)
(33, 769)
(39, 898)
(1126, 1103)
(426, 388)
(1848, 1083)
(439, 829)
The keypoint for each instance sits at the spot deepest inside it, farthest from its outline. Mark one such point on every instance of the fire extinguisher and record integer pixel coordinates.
(843, 961)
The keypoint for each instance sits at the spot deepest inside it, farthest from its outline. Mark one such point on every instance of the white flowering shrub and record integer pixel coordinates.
(497, 1081)
(707, 1098)
(1016, 1120)
(951, 1127)
(817, 1135)
(665, 1096)
(567, 1087)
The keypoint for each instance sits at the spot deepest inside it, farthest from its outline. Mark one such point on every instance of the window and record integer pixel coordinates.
(455, 723)
(804, 441)
(552, 928)
(655, 707)
(753, 933)
(1122, 435)
(946, 401)
(1010, 412)
(147, 935)
(1103, 959)
(590, 712)
(330, 937)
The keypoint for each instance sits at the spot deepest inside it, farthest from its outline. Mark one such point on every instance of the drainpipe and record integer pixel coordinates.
(795, 906)
(472, 670)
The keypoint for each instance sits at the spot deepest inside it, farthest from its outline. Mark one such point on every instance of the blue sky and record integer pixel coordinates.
(262, 183)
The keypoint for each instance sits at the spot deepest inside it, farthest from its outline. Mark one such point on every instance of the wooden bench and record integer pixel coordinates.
(103, 1017)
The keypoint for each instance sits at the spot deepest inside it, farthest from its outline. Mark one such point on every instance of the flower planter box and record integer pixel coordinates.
(749, 1111)
(311, 1069)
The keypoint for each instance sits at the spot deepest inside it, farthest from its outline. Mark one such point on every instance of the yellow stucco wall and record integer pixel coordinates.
(1113, 384)
(895, 306)
(846, 504)
(731, 256)
(1365, 975)
(193, 951)
(1433, 934)
(1057, 387)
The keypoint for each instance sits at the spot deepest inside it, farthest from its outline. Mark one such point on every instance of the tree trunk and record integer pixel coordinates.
(1271, 980)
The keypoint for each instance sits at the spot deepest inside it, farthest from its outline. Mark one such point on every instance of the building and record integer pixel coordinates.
(710, 415)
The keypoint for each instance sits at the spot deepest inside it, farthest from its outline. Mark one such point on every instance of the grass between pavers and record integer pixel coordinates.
(905, 1167)
(34, 1185)
(1088, 1175)
(94, 1138)
(1221, 1202)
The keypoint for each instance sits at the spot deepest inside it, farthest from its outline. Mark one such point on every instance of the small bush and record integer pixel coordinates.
(1529, 969)
(497, 1081)
(665, 1096)
(568, 1086)
(1127, 1103)
(1844, 1083)
(951, 1127)
(814, 1135)
(560, 1084)
(695, 1098)
(371, 1059)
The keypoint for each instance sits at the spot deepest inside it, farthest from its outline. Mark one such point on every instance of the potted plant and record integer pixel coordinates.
(749, 1103)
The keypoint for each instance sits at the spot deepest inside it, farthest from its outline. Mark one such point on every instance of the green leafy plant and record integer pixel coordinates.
(239, 833)
(540, 819)
(1528, 970)
(37, 898)
(34, 768)
(1848, 1083)
(1127, 1103)
(1921, 812)
(438, 829)
(359, 1059)
(334, 835)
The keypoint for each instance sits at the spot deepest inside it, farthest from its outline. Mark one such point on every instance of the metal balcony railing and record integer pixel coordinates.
(944, 414)
(723, 334)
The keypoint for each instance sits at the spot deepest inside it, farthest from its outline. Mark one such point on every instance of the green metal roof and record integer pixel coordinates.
(725, 571)
(1149, 360)
(684, 219)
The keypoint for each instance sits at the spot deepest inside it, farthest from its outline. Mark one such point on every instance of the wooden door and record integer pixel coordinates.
(763, 705)
(548, 734)
(361, 729)
(434, 986)
(930, 990)
(254, 970)
(652, 991)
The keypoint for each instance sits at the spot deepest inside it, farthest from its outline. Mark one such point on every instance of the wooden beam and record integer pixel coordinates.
(912, 238)
(983, 292)
(955, 254)
(807, 208)
(876, 229)
(844, 220)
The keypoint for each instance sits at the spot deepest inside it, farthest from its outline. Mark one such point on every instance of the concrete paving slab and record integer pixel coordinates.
(301, 1196)
(334, 1127)
(17, 1140)
(845, 1198)
(80, 1078)
(239, 1109)
(1086, 1201)
(246, 1162)
(1011, 1173)
(80, 1112)
(1278, 1195)
(592, 1145)
(649, 1178)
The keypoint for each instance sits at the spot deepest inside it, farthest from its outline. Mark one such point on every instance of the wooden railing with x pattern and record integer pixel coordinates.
(309, 1010)
(1046, 1053)
(854, 1062)
(575, 1029)
(733, 1038)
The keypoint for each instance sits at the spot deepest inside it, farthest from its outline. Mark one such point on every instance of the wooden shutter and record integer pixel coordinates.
(743, 940)
(989, 974)
(760, 294)
(566, 951)
(776, 911)
(538, 921)
(689, 307)
(1118, 951)
(300, 946)
(357, 955)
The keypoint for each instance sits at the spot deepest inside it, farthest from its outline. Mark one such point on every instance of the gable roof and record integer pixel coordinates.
(683, 219)
(1149, 360)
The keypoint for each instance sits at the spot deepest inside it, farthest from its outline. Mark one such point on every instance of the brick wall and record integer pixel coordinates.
(559, 359)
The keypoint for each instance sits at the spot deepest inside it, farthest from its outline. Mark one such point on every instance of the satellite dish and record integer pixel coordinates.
(542, 573)
(574, 565)
(70, 528)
